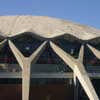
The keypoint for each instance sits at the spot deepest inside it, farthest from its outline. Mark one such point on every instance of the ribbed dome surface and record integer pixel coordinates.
(44, 26)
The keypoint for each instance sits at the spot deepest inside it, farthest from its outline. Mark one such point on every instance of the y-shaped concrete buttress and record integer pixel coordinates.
(78, 69)
(25, 63)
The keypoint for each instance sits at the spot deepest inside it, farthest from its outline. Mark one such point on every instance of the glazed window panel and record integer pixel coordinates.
(50, 68)
(49, 61)
(6, 55)
(49, 57)
(11, 89)
(90, 59)
(26, 43)
(95, 43)
(71, 47)
(8, 62)
(53, 89)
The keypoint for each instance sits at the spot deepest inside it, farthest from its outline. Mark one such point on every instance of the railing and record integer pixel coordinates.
(93, 69)
(14, 71)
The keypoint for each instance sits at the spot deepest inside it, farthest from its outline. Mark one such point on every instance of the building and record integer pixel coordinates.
(49, 58)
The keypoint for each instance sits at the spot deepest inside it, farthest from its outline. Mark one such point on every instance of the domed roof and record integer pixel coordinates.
(44, 26)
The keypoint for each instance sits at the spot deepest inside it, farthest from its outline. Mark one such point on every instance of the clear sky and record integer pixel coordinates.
(81, 11)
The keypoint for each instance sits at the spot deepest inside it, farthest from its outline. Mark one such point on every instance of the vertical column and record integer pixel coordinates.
(26, 80)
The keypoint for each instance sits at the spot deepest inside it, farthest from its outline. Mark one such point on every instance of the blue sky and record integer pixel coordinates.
(81, 11)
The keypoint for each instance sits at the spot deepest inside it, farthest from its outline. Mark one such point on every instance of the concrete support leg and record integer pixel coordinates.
(95, 51)
(25, 63)
(76, 83)
(26, 80)
(78, 69)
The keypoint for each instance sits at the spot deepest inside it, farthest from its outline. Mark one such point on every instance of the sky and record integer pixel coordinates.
(81, 11)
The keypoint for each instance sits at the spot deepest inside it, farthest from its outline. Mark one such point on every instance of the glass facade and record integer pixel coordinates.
(48, 63)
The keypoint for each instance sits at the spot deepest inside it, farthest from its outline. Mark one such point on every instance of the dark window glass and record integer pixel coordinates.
(71, 47)
(6, 55)
(96, 84)
(95, 44)
(49, 57)
(10, 81)
(50, 62)
(52, 89)
(11, 89)
(90, 60)
(26, 43)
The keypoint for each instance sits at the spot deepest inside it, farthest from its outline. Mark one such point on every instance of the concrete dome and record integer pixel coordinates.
(44, 26)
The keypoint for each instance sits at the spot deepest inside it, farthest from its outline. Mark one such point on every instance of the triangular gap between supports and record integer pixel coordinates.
(95, 44)
(26, 43)
(90, 60)
(71, 47)
(50, 61)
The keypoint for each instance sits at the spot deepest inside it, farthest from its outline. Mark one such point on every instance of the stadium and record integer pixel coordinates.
(46, 58)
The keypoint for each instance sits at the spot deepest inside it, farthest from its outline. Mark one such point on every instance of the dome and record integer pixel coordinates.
(46, 27)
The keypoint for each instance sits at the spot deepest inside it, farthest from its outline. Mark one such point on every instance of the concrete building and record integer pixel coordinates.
(54, 58)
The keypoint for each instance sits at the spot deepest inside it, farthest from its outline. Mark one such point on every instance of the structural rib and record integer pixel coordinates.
(78, 69)
(25, 63)
(95, 51)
